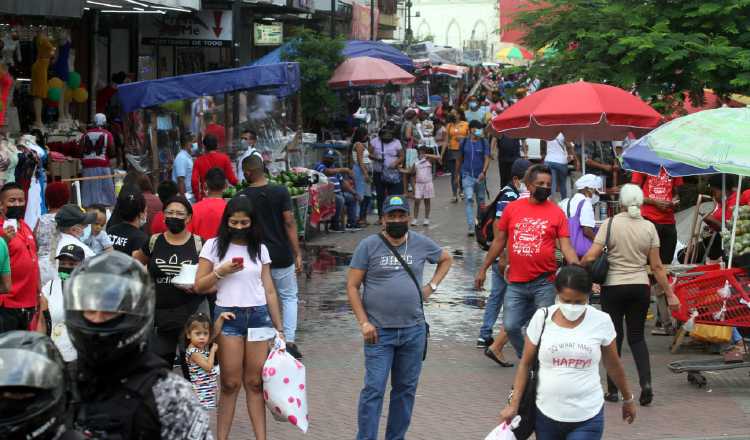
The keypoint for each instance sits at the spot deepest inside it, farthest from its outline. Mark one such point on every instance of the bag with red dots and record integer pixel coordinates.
(284, 387)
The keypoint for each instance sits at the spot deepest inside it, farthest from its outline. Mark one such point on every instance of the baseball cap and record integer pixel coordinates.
(589, 181)
(519, 167)
(71, 251)
(395, 203)
(71, 215)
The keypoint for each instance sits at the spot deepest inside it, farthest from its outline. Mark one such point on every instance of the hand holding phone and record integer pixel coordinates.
(239, 261)
(11, 223)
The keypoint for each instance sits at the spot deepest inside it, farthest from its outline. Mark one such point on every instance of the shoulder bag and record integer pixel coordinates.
(580, 242)
(416, 283)
(390, 175)
(527, 405)
(600, 266)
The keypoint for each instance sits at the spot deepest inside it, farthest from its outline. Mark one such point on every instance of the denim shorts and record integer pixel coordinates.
(244, 318)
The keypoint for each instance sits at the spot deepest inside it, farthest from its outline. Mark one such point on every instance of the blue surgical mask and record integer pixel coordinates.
(194, 149)
(473, 105)
(478, 132)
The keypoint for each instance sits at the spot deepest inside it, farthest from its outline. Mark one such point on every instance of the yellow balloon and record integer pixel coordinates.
(56, 83)
(68, 94)
(80, 95)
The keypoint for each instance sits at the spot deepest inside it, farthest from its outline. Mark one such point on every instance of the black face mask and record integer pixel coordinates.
(15, 212)
(397, 229)
(541, 194)
(238, 233)
(174, 224)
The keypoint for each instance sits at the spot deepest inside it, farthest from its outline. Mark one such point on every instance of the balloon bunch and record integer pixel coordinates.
(75, 90)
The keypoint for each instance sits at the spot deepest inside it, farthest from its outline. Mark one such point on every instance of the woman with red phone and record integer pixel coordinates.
(237, 265)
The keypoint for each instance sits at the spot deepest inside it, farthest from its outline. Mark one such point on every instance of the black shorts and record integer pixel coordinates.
(667, 241)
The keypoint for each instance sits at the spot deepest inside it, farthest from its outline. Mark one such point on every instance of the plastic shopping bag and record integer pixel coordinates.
(284, 387)
(504, 431)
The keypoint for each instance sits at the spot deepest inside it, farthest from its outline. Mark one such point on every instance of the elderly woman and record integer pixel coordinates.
(633, 245)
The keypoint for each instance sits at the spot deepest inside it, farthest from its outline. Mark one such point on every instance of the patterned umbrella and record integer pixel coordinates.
(514, 54)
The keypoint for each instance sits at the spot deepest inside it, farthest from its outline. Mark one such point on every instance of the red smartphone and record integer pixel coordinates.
(238, 260)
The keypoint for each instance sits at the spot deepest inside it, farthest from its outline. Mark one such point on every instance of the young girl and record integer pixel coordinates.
(200, 355)
(423, 189)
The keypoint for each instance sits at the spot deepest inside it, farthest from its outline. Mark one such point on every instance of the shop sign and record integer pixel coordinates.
(184, 42)
(271, 34)
(202, 25)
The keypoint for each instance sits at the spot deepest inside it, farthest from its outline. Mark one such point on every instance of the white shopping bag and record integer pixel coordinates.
(504, 431)
(284, 387)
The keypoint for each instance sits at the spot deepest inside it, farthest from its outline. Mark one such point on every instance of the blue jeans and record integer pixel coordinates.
(285, 281)
(474, 189)
(521, 302)
(494, 303)
(345, 199)
(397, 353)
(548, 429)
(559, 178)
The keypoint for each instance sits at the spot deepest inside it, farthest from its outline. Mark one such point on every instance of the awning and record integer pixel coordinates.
(353, 48)
(188, 4)
(450, 70)
(281, 79)
(49, 8)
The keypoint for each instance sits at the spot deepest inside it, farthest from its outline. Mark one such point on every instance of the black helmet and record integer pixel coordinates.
(33, 388)
(116, 284)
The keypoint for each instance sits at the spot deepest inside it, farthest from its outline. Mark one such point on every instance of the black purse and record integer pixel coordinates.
(600, 266)
(419, 289)
(527, 405)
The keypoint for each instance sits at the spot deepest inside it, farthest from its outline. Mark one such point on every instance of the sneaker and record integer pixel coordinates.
(471, 232)
(426, 222)
(353, 228)
(292, 349)
(662, 331)
(338, 230)
(414, 222)
(484, 343)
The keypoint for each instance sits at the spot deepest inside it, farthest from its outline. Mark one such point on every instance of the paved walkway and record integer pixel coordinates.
(461, 392)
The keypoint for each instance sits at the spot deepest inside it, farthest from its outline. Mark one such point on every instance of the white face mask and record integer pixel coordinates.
(571, 312)
(595, 199)
(522, 188)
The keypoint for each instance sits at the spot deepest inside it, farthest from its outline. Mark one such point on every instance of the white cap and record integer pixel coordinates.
(589, 181)
(100, 119)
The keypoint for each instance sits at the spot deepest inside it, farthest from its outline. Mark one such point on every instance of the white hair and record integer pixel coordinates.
(100, 119)
(631, 198)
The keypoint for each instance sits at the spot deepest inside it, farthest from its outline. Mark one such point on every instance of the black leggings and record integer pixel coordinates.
(631, 302)
(385, 189)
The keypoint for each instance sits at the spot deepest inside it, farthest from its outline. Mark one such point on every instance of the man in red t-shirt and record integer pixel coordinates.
(207, 213)
(713, 220)
(17, 306)
(531, 227)
(211, 159)
(659, 202)
(216, 130)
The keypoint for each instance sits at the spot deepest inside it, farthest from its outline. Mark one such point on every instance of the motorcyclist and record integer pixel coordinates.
(126, 391)
(34, 389)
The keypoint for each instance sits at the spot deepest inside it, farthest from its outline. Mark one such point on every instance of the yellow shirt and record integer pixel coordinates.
(456, 132)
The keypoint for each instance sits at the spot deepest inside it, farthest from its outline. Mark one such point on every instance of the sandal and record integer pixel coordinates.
(490, 354)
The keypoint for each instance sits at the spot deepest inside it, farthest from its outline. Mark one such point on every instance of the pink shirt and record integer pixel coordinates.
(424, 171)
(243, 288)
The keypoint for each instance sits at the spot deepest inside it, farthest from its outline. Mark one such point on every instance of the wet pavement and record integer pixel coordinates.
(461, 391)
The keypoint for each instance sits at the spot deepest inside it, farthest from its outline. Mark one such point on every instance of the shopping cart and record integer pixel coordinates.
(710, 296)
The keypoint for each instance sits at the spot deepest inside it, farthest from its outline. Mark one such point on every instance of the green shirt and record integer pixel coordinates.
(4, 258)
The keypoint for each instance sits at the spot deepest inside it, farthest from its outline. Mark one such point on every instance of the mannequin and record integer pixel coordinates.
(11, 49)
(44, 51)
(62, 69)
(6, 86)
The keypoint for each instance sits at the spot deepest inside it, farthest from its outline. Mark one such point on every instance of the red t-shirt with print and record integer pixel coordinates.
(532, 230)
(731, 201)
(24, 269)
(657, 188)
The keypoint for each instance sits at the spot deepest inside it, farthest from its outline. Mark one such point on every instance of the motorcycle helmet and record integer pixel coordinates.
(109, 309)
(33, 387)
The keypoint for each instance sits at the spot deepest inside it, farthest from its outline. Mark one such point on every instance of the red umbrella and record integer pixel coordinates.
(368, 71)
(579, 110)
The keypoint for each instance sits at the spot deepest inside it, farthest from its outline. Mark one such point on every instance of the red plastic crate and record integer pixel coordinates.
(701, 295)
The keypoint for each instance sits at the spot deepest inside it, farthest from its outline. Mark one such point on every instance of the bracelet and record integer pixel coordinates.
(631, 400)
(216, 274)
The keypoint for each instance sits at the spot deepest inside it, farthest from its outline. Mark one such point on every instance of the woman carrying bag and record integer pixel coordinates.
(568, 340)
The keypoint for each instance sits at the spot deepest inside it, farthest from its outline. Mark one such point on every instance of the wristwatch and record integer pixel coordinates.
(433, 286)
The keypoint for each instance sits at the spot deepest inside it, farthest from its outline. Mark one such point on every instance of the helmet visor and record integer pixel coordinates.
(108, 293)
(23, 368)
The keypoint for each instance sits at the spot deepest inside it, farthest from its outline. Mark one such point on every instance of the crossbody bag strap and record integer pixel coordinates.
(539, 343)
(406, 268)
(609, 231)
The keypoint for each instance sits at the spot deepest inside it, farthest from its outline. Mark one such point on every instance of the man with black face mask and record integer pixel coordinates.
(531, 227)
(391, 316)
(18, 306)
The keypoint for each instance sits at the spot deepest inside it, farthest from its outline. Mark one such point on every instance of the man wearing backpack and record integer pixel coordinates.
(473, 161)
(514, 190)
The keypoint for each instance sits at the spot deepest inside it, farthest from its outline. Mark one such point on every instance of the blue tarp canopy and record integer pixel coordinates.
(638, 157)
(353, 48)
(280, 79)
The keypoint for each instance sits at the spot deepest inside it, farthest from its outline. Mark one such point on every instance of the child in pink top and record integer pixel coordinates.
(423, 188)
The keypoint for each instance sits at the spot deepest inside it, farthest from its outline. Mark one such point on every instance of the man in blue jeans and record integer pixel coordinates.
(473, 161)
(391, 316)
(530, 227)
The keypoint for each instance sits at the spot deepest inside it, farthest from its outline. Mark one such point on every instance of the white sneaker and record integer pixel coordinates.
(426, 222)
(414, 222)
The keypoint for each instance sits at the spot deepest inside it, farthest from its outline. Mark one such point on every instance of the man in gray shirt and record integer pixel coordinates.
(391, 317)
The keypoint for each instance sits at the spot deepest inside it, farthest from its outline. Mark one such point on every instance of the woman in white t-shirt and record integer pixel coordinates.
(237, 265)
(575, 337)
(558, 155)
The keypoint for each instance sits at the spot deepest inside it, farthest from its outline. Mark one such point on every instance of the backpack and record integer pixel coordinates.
(483, 230)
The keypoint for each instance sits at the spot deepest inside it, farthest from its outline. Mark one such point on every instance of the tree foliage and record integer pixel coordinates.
(318, 56)
(660, 48)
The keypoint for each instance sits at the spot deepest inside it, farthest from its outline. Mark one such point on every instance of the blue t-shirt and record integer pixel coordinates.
(476, 115)
(390, 298)
(183, 167)
(473, 153)
(335, 180)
